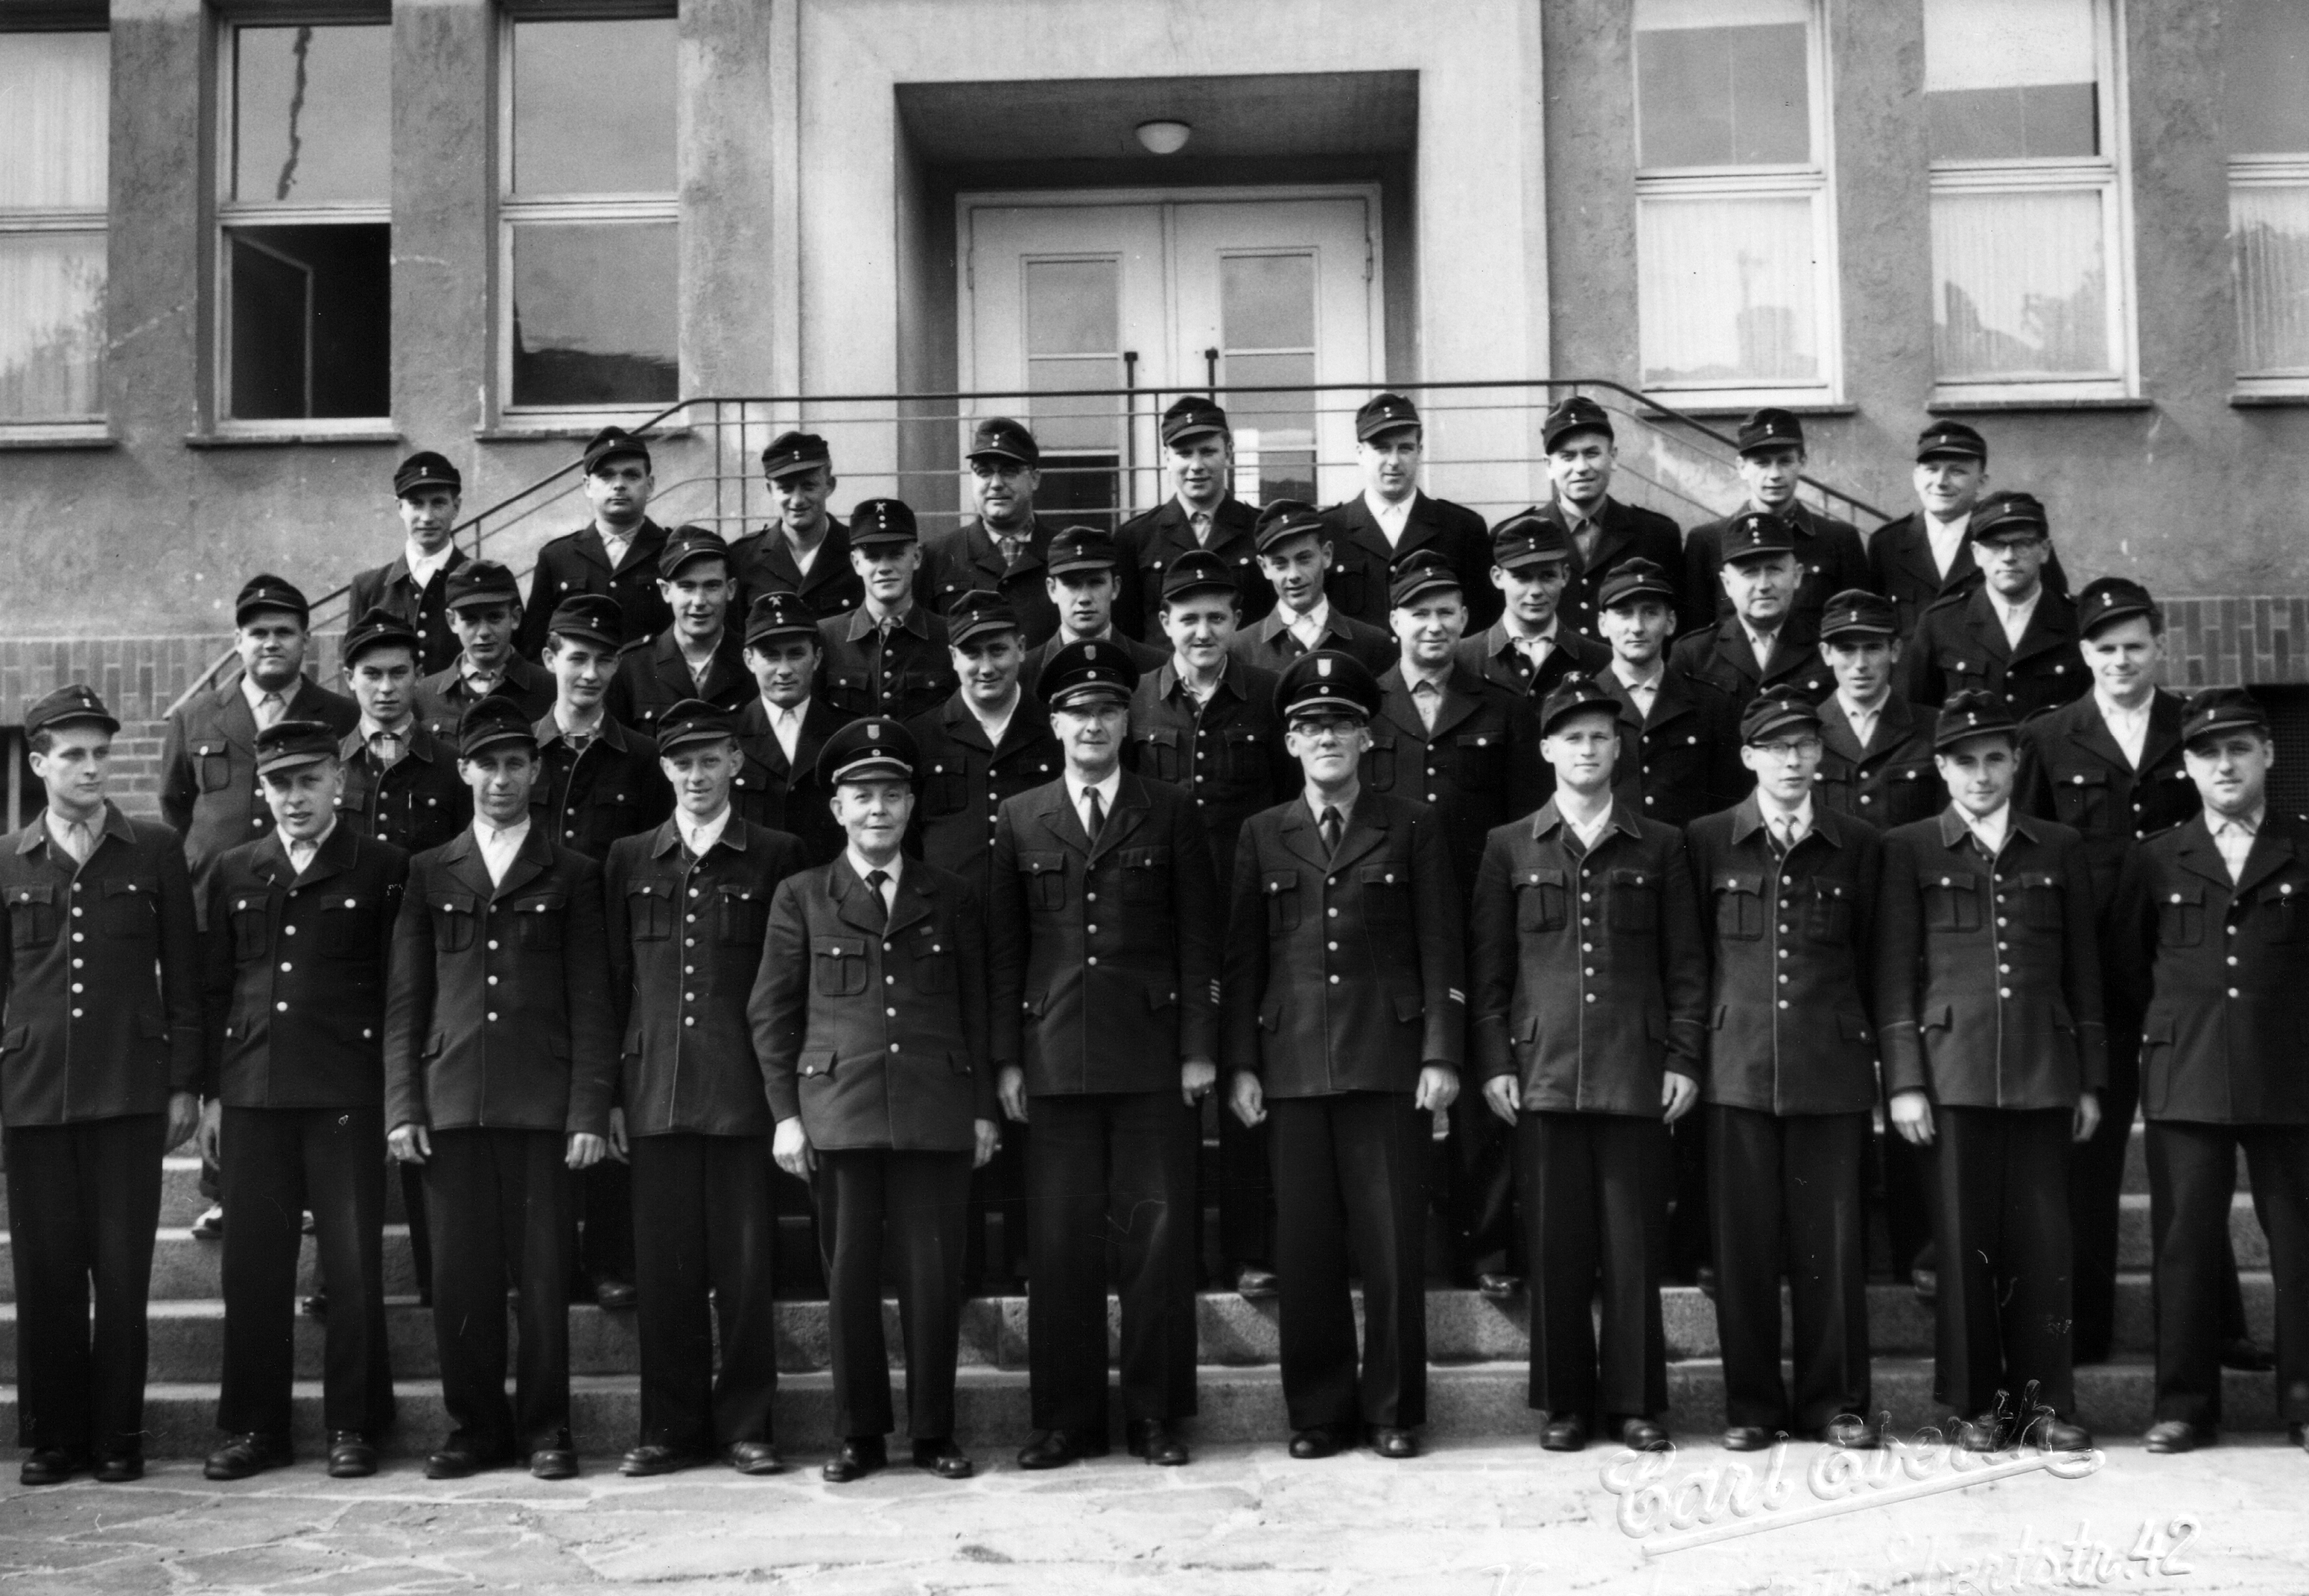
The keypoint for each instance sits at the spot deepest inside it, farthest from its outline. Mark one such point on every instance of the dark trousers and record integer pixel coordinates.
(2095, 1182)
(1593, 1190)
(500, 1205)
(706, 1205)
(913, 1205)
(83, 1201)
(1245, 1192)
(999, 1189)
(1909, 1173)
(420, 1231)
(1786, 1200)
(1480, 1159)
(278, 1164)
(601, 1203)
(2191, 1178)
(1690, 1231)
(1112, 1169)
(1351, 1179)
(2002, 1226)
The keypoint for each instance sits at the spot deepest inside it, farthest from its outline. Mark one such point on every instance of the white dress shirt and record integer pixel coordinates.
(266, 705)
(499, 847)
(582, 732)
(1535, 646)
(2015, 617)
(1391, 518)
(1199, 522)
(1589, 832)
(1079, 791)
(396, 744)
(698, 837)
(1990, 831)
(803, 558)
(2234, 837)
(1308, 629)
(2130, 727)
(1947, 538)
(890, 886)
(1760, 642)
(1643, 690)
(995, 726)
(1426, 690)
(1864, 717)
(423, 567)
(300, 854)
(1789, 827)
(785, 725)
(76, 839)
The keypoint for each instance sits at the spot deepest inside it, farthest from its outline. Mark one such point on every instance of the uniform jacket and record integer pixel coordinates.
(420, 803)
(1227, 752)
(579, 561)
(1625, 533)
(859, 674)
(1359, 585)
(497, 1013)
(1890, 782)
(1105, 954)
(101, 975)
(1148, 543)
(443, 698)
(209, 790)
(2225, 969)
(1270, 645)
(968, 558)
(1345, 974)
(1988, 980)
(786, 798)
(2071, 770)
(294, 977)
(1479, 768)
(652, 678)
(1789, 1026)
(1900, 559)
(874, 1034)
(615, 789)
(1590, 970)
(1144, 656)
(1683, 760)
(1493, 655)
(1830, 550)
(1721, 657)
(761, 562)
(393, 587)
(1960, 645)
(964, 782)
(685, 939)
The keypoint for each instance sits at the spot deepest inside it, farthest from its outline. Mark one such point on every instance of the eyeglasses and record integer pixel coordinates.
(1803, 748)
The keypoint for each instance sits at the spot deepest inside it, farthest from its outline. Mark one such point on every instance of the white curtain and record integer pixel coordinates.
(51, 325)
(55, 93)
(2268, 231)
(1727, 290)
(2019, 285)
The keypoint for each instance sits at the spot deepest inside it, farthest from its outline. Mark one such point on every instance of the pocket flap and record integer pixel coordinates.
(14, 1037)
(838, 947)
(1963, 879)
(2159, 1028)
(2083, 779)
(1281, 881)
(542, 903)
(1409, 1005)
(455, 902)
(1476, 739)
(1270, 1013)
(1853, 1027)
(40, 892)
(650, 889)
(1036, 1003)
(1528, 1031)
(1940, 1017)
(434, 1044)
(1143, 859)
(2279, 891)
(818, 1061)
(1038, 861)
(2187, 892)
(1542, 876)
(1626, 877)
(1162, 736)
(1161, 998)
(1715, 1018)
(148, 886)
(1382, 875)
(1740, 880)
(729, 889)
(2040, 878)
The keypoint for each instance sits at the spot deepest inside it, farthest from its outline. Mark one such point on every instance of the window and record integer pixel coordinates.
(2030, 270)
(591, 257)
(1074, 339)
(304, 278)
(52, 229)
(1267, 312)
(2266, 43)
(1735, 234)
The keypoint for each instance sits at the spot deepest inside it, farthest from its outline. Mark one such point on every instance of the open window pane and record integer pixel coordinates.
(2011, 78)
(2269, 230)
(2265, 46)
(594, 107)
(51, 325)
(2021, 286)
(55, 89)
(311, 327)
(1722, 83)
(313, 115)
(591, 323)
(1727, 291)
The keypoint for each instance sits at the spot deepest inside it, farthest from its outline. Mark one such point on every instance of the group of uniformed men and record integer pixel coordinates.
(1417, 846)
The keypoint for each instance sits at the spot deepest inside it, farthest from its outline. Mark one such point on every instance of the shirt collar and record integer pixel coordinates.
(895, 869)
(423, 567)
(1317, 803)
(1107, 788)
(1415, 677)
(1548, 818)
(2113, 713)
(490, 836)
(254, 695)
(1320, 617)
(2249, 823)
(372, 728)
(699, 839)
(1384, 513)
(786, 714)
(309, 850)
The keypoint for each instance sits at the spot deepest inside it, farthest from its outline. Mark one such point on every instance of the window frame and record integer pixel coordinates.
(2249, 172)
(2110, 174)
(93, 427)
(1813, 180)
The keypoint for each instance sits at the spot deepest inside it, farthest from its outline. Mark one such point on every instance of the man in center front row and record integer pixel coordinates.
(1345, 1022)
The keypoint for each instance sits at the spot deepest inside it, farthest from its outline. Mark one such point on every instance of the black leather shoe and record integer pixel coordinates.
(119, 1469)
(1639, 1433)
(753, 1457)
(1498, 1287)
(210, 1225)
(352, 1455)
(50, 1466)
(1849, 1434)
(1567, 1434)
(1254, 1284)
(556, 1460)
(2246, 1354)
(615, 1293)
(1746, 1437)
(1926, 1284)
(2297, 1434)
(2178, 1435)
(1984, 1434)
(1154, 1440)
(316, 1307)
(1056, 1448)
(455, 1461)
(940, 1456)
(1319, 1441)
(2059, 1434)
(656, 1460)
(1392, 1441)
(859, 1455)
(249, 1453)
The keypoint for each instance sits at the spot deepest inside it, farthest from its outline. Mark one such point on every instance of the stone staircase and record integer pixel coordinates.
(1476, 1386)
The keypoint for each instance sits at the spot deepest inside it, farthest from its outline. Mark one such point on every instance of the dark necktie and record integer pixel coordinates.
(875, 881)
(1094, 822)
(1330, 828)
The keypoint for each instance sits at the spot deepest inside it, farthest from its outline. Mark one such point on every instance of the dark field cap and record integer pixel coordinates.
(1578, 694)
(791, 451)
(1770, 428)
(692, 720)
(424, 469)
(1327, 683)
(291, 745)
(2217, 709)
(1384, 412)
(982, 612)
(1856, 612)
(876, 748)
(780, 613)
(1756, 534)
(595, 618)
(1970, 715)
(881, 522)
(2111, 598)
(688, 544)
(72, 703)
(490, 720)
(266, 591)
(1635, 579)
(479, 581)
(1197, 570)
(1000, 437)
(1081, 548)
(2009, 514)
(613, 443)
(380, 628)
(1087, 672)
(1577, 413)
(1416, 574)
(1954, 438)
(1774, 712)
(1527, 537)
(1195, 415)
(1284, 519)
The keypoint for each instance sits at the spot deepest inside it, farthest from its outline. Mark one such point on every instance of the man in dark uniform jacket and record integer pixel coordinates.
(2010, 635)
(1763, 643)
(697, 1121)
(95, 1086)
(1829, 555)
(1085, 568)
(1921, 557)
(1603, 533)
(1295, 549)
(1588, 1037)
(784, 725)
(1105, 953)
(1680, 736)
(1787, 891)
(300, 925)
(2209, 917)
(1393, 516)
(398, 782)
(805, 550)
(888, 656)
(1205, 722)
(499, 1068)
(698, 655)
(1988, 1007)
(484, 611)
(615, 555)
(413, 585)
(1201, 516)
(1345, 997)
(1003, 549)
(869, 1021)
(1531, 646)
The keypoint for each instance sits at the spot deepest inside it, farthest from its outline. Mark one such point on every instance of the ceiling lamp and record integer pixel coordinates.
(1163, 138)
